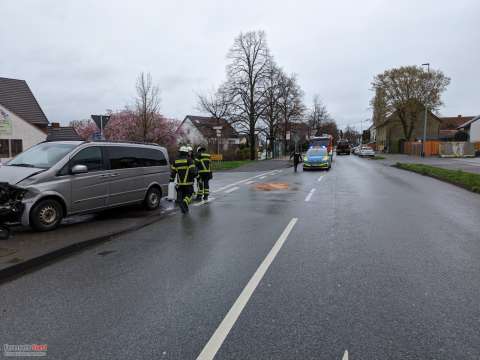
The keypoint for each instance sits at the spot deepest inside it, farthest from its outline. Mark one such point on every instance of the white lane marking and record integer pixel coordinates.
(320, 178)
(240, 182)
(204, 201)
(262, 177)
(309, 196)
(221, 333)
(250, 182)
(345, 355)
(231, 190)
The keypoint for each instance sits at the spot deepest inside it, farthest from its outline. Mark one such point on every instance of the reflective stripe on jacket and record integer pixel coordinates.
(203, 163)
(184, 170)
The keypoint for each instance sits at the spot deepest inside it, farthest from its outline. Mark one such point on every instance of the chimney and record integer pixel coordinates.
(459, 116)
(55, 125)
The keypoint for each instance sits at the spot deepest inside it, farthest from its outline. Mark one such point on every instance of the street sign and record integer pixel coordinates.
(101, 120)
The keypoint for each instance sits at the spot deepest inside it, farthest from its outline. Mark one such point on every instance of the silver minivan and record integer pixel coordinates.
(77, 177)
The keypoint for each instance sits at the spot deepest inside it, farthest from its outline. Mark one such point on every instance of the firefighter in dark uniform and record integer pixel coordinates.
(204, 170)
(185, 171)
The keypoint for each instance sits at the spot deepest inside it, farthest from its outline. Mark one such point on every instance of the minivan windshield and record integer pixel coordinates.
(42, 156)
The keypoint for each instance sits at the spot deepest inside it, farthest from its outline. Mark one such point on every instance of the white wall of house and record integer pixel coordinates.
(192, 134)
(475, 131)
(21, 129)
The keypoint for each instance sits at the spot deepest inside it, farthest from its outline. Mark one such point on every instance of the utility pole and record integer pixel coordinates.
(426, 116)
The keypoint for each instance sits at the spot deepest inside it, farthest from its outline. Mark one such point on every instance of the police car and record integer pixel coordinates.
(317, 158)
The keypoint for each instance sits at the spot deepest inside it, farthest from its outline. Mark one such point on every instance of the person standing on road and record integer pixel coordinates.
(184, 170)
(204, 171)
(297, 156)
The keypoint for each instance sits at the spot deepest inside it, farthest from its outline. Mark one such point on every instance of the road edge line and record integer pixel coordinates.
(216, 340)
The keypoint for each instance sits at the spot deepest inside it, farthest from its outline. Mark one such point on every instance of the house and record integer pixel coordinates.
(450, 125)
(56, 132)
(22, 121)
(373, 133)
(472, 127)
(390, 134)
(202, 130)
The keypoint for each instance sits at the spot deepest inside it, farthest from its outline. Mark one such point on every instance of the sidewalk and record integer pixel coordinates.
(465, 164)
(26, 248)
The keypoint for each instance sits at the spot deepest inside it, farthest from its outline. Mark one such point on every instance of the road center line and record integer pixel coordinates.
(345, 355)
(320, 178)
(250, 182)
(262, 177)
(309, 196)
(204, 201)
(231, 189)
(221, 333)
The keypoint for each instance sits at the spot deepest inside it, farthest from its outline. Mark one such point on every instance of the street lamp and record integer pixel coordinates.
(425, 119)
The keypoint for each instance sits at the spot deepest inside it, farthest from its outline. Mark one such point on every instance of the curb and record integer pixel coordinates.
(35, 263)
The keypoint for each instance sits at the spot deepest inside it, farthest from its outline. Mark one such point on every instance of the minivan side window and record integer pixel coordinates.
(152, 157)
(122, 157)
(130, 157)
(91, 157)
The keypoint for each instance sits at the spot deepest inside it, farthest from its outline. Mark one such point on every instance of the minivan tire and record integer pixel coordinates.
(46, 215)
(152, 199)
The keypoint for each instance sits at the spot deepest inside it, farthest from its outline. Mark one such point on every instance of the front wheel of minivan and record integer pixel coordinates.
(46, 215)
(152, 199)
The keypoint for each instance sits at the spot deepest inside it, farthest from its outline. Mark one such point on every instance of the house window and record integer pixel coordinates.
(17, 146)
(4, 151)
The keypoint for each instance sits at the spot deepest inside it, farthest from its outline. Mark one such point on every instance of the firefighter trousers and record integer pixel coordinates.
(203, 185)
(184, 194)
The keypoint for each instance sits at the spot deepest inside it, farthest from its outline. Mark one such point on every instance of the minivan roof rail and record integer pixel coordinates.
(122, 142)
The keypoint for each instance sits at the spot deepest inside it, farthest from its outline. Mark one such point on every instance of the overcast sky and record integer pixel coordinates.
(82, 57)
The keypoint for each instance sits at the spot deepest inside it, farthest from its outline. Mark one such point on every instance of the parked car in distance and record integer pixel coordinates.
(343, 147)
(355, 150)
(366, 151)
(64, 178)
(317, 158)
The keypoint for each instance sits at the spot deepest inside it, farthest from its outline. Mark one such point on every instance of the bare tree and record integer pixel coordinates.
(379, 107)
(271, 113)
(317, 115)
(217, 103)
(405, 91)
(147, 103)
(290, 104)
(246, 82)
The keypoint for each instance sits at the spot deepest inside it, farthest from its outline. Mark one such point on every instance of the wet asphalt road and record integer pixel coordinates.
(381, 262)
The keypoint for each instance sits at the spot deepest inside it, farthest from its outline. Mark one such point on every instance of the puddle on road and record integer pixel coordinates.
(271, 186)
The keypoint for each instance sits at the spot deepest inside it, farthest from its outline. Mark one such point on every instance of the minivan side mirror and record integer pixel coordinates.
(79, 169)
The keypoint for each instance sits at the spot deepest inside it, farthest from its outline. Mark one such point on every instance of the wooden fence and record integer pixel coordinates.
(415, 148)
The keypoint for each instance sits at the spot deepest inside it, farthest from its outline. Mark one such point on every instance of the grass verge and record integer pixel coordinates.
(228, 165)
(378, 157)
(466, 180)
